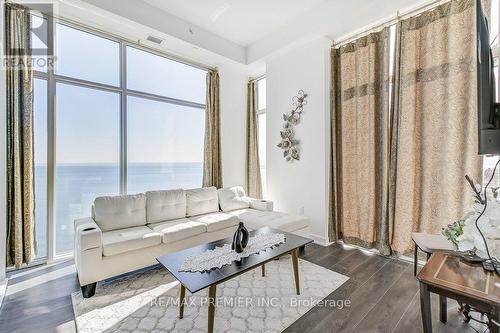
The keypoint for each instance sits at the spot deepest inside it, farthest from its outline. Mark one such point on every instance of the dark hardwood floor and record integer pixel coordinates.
(382, 291)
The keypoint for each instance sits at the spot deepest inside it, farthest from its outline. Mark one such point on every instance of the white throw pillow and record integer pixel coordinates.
(232, 198)
(119, 212)
(202, 201)
(165, 205)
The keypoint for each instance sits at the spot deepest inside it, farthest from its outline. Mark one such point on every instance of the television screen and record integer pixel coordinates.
(489, 121)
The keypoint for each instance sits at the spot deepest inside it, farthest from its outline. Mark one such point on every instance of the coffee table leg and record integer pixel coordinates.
(211, 308)
(295, 263)
(181, 301)
(263, 269)
(425, 308)
(443, 309)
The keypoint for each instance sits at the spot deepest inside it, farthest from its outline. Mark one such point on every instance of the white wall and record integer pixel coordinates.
(233, 96)
(301, 186)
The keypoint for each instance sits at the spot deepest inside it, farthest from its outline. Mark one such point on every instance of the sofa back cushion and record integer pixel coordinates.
(165, 205)
(232, 198)
(119, 212)
(202, 201)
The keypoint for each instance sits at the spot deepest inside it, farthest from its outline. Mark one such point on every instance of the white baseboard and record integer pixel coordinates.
(3, 289)
(320, 240)
(411, 260)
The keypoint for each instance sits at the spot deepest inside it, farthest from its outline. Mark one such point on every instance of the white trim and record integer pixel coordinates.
(410, 260)
(256, 80)
(258, 113)
(320, 240)
(51, 147)
(123, 119)
(61, 258)
(3, 290)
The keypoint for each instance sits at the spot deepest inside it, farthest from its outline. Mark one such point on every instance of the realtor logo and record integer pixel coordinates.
(40, 28)
(40, 54)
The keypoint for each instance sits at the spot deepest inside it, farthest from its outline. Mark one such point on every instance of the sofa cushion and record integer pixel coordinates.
(232, 198)
(216, 221)
(124, 240)
(165, 205)
(255, 219)
(173, 231)
(202, 201)
(119, 212)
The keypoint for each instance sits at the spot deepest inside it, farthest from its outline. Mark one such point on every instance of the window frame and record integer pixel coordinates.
(260, 112)
(130, 153)
(52, 79)
(41, 260)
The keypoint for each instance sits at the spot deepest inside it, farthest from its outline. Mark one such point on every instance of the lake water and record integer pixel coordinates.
(77, 185)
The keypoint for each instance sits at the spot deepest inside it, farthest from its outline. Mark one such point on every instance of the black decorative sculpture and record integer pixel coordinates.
(240, 238)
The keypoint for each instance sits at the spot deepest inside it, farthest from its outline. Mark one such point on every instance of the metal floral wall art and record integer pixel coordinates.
(289, 144)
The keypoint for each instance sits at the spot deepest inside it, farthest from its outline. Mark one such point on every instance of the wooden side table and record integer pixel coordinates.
(449, 276)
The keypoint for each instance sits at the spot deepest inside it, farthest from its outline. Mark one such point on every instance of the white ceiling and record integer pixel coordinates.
(240, 21)
(244, 32)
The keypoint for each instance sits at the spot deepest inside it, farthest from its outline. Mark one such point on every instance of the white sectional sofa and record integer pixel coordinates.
(128, 232)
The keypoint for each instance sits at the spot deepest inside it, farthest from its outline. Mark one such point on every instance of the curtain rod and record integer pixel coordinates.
(388, 21)
(135, 42)
(257, 78)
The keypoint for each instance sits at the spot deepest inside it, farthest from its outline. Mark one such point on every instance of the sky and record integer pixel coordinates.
(88, 120)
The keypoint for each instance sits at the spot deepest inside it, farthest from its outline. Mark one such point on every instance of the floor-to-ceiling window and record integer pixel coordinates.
(164, 143)
(164, 140)
(40, 144)
(110, 118)
(40, 127)
(261, 131)
(87, 154)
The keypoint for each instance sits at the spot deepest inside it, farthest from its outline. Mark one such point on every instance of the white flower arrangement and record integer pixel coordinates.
(489, 223)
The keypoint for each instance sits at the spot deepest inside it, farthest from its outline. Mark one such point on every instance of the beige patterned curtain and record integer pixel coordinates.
(487, 9)
(21, 244)
(254, 183)
(212, 164)
(435, 121)
(360, 140)
(335, 172)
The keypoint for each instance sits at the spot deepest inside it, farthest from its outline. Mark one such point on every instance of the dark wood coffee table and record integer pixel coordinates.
(196, 281)
(449, 276)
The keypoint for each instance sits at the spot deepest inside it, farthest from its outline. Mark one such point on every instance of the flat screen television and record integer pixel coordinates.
(488, 118)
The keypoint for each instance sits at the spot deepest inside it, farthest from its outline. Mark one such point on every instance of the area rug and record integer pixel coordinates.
(147, 301)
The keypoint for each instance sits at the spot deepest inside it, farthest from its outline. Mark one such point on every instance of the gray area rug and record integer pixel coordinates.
(148, 301)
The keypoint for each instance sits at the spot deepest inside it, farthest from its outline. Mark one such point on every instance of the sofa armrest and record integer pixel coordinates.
(88, 235)
(259, 204)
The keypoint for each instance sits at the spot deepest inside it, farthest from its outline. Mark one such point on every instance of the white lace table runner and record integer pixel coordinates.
(223, 255)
